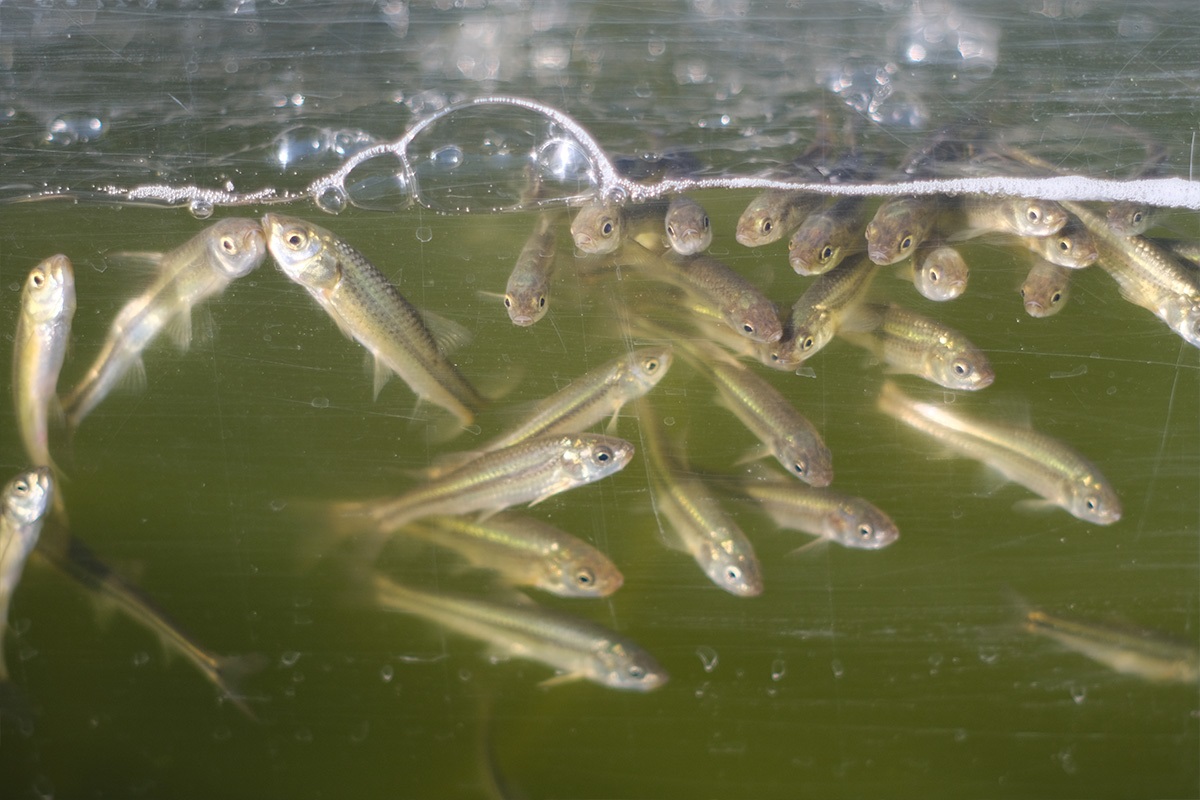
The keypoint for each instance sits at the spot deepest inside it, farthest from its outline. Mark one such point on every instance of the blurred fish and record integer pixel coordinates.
(784, 432)
(368, 309)
(199, 269)
(528, 472)
(601, 228)
(1046, 289)
(699, 526)
(911, 343)
(688, 229)
(1132, 219)
(833, 516)
(1016, 215)
(23, 507)
(519, 628)
(1143, 654)
(940, 273)
(525, 552)
(527, 295)
(774, 214)
(1148, 275)
(1044, 465)
(899, 226)
(820, 312)
(39, 347)
(1188, 251)
(825, 238)
(1071, 247)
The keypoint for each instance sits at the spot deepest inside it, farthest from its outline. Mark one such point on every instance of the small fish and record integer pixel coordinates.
(195, 271)
(914, 344)
(824, 239)
(525, 551)
(528, 472)
(368, 309)
(836, 517)
(699, 526)
(23, 507)
(940, 273)
(899, 226)
(76, 560)
(601, 228)
(527, 295)
(1188, 251)
(1126, 218)
(774, 214)
(688, 229)
(1046, 289)
(1071, 247)
(598, 394)
(1143, 654)
(784, 432)
(578, 647)
(820, 311)
(1016, 215)
(1148, 275)
(39, 347)
(1044, 465)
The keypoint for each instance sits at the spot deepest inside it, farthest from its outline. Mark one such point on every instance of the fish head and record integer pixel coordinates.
(628, 667)
(1043, 298)
(27, 496)
(648, 365)
(896, 230)
(300, 250)
(812, 249)
(731, 567)
(525, 305)
(688, 228)
(964, 368)
(578, 572)
(858, 524)
(590, 457)
(942, 275)
(759, 224)
(1093, 500)
(596, 229)
(1187, 312)
(802, 342)
(1033, 217)
(1128, 219)
(236, 246)
(1073, 247)
(49, 291)
(806, 457)
(755, 318)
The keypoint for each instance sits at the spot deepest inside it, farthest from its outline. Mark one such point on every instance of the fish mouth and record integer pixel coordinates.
(1034, 308)
(880, 256)
(524, 320)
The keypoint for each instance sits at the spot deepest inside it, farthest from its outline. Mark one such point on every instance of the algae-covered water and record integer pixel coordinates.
(854, 674)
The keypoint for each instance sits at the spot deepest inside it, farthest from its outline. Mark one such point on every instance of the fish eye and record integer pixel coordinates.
(636, 672)
(747, 327)
(21, 487)
(906, 243)
(865, 531)
(800, 467)
(585, 577)
(603, 454)
(1033, 214)
(807, 344)
(1054, 298)
(826, 253)
(766, 226)
(295, 240)
(1137, 216)
(705, 222)
(650, 365)
(228, 245)
(962, 368)
(934, 275)
(37, 279)
(508, 301)
(1022, 291)
(541, 301)
(733, 574)
(1064, 245)
(1091, 504)
(670, 230)
(607, 228)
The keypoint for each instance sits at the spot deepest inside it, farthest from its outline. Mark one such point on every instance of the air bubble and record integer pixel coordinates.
(277, 505)
(289, 658)
(387, 673)
(778, 669)
(1078, 694)
(200, 209)
(141, 658)
(424, 234)
(320, 402)
(298, 145)
(448, 157)
(332, 199)
(379, 183)
(617, 196)
(838, 669)
(708, 657)
(464, 675)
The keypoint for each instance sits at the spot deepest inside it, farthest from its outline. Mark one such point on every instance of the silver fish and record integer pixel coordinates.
(1046, 289)
(899, 226)
(1143, 654)
(820, 312)
(847, 520)
(914, 344)
(519, 628)
(1132, 219)
(39, 347)
(1043, 465)
(23, 507)
(527, 295)
(1071, 247)
(368, 309)
(1015, 215)
(688, 229)
(199, 269)
(528, 472)
(940, 273)
(525, 551)
(824, 239)
(699, 526)
(773, 214)
(601, 228)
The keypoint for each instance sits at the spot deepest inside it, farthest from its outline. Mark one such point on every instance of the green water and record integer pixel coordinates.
(854, 674)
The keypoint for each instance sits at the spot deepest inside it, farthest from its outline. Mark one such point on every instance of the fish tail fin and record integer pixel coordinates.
(232, 672)
(331, 527)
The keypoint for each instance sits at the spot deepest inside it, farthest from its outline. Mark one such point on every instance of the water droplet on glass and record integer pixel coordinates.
(564, 162)
(778, 669)
(1078, 694)
(289, 658)
(387, 672)
(838, 669)
(464, 675)
(331, 199)
(989, 655)
(277, 505)
(424, 234)
(447, 158)
(141, 658)
(708, 657)
(379, 183)
(297, 145)
(200, 209)
(320, 402)
(668, 421)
